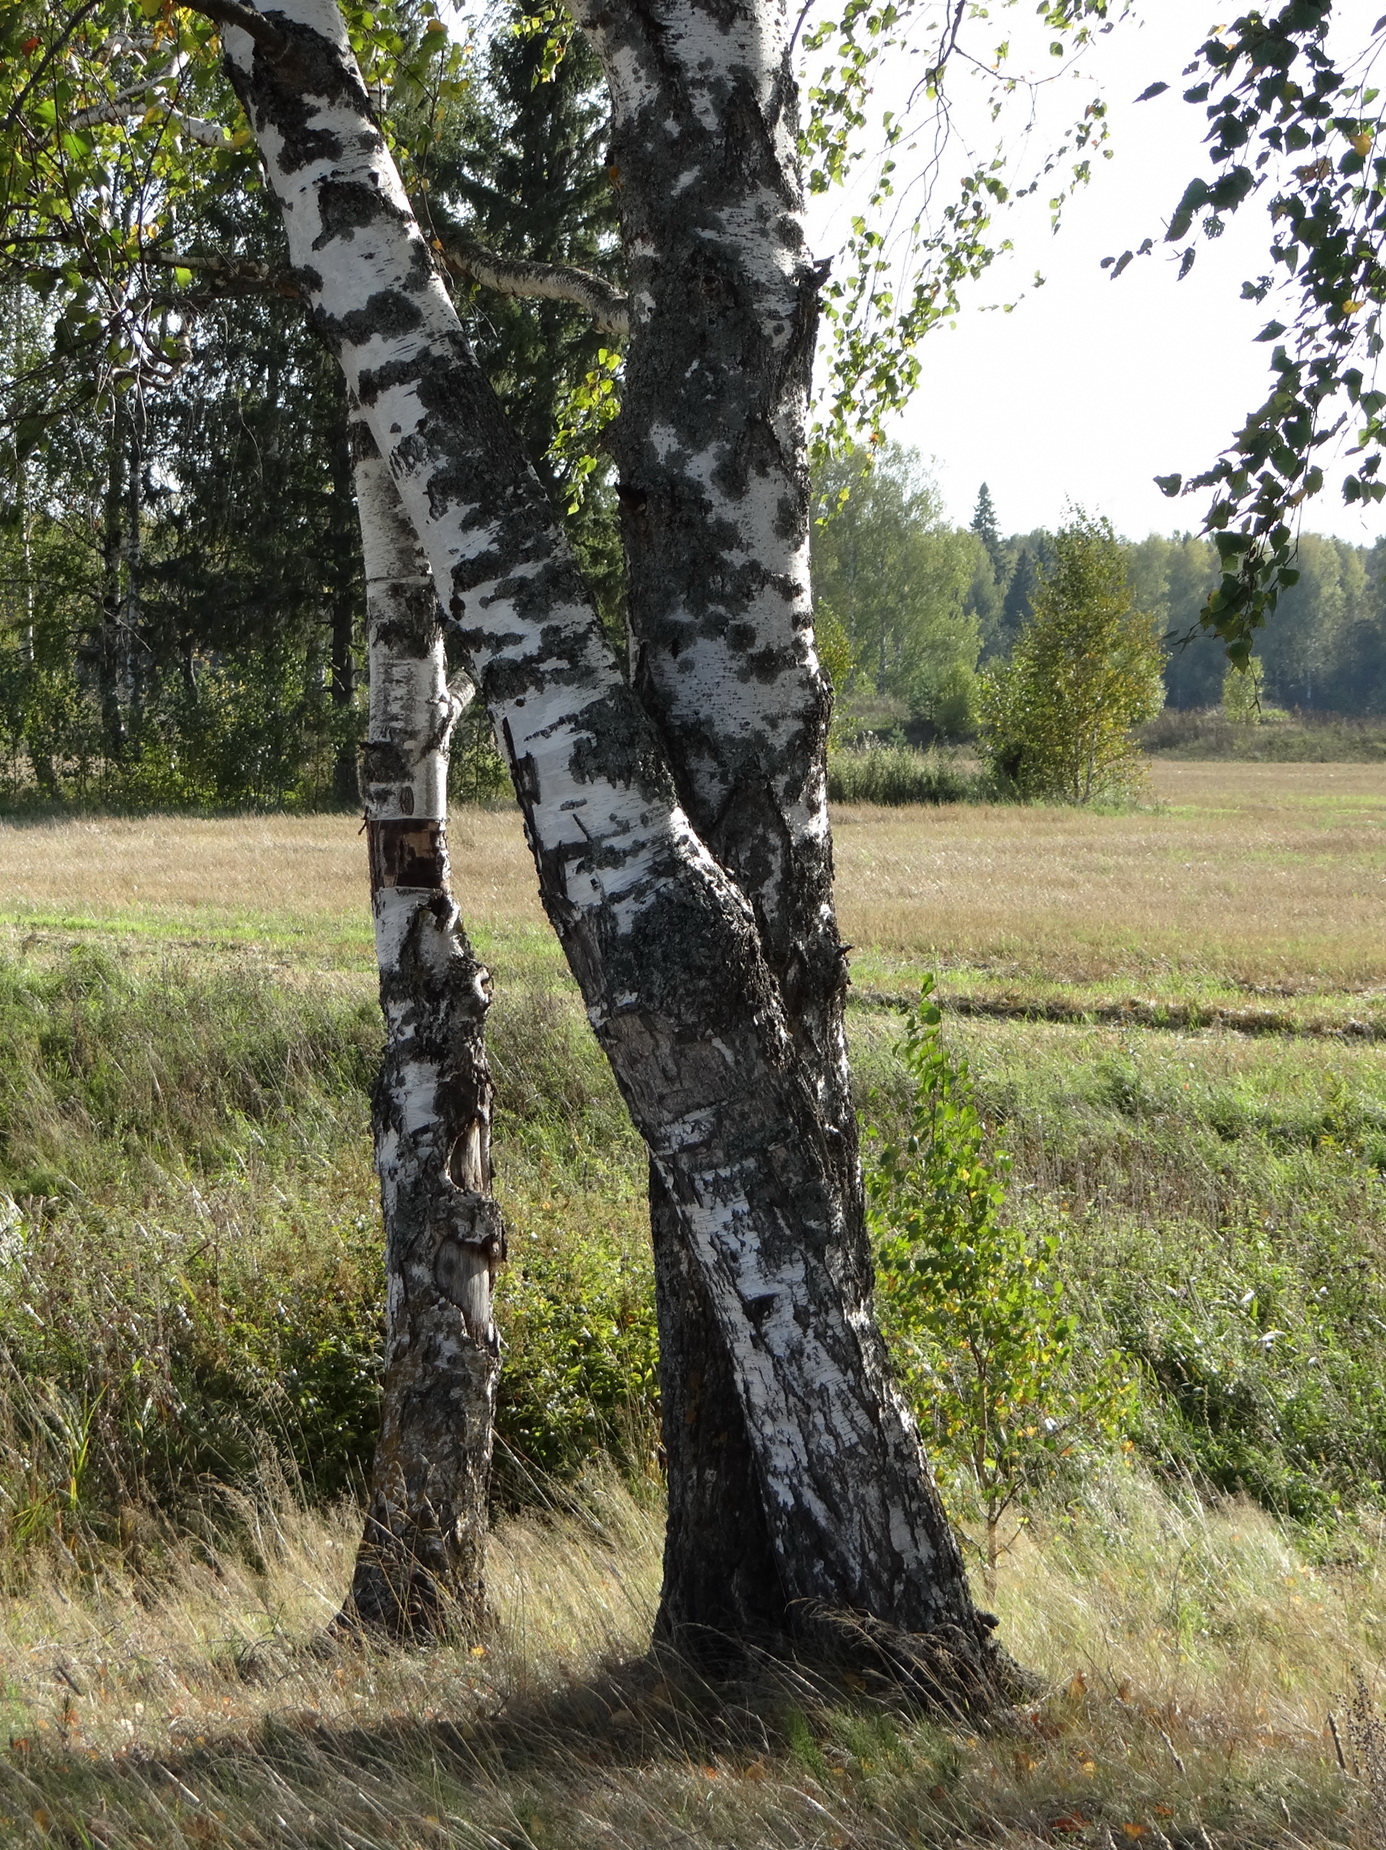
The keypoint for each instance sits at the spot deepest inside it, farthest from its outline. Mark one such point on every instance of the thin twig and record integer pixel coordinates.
(1337, 1744)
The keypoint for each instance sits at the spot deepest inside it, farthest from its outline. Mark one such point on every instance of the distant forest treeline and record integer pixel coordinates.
(181, 600)
(910, 608)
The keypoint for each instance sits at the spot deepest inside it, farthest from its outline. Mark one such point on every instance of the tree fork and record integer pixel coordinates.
(420, 1567)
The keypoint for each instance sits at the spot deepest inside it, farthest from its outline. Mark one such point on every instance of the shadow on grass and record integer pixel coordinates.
(645, 1752)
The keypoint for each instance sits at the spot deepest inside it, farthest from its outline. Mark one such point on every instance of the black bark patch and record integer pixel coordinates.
(388, 313)
(407, 853)
(618, 744)
(287, 88)
(350, 205)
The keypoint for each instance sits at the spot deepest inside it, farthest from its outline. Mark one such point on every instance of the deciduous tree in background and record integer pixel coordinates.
(1086, 670)
(890, 569)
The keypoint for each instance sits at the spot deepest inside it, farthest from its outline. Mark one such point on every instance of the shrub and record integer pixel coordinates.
(971, 1305)
(1058, 716)
(894, 775)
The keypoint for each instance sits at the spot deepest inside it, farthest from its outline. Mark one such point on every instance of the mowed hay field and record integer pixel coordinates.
(1171, 1016)
(1259, 877)
(1243, 876)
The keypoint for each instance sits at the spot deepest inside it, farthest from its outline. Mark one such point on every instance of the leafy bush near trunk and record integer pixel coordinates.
(974, 1307)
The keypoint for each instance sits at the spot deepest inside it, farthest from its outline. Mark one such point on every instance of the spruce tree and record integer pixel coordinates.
(525, 174)
(1015, 606)
(985, 527)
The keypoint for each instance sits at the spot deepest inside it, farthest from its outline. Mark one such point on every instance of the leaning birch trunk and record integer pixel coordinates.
(420, 1567)
(714, 496)
(662, 942)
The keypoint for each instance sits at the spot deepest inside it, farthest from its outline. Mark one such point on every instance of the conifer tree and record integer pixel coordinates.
(985, 527)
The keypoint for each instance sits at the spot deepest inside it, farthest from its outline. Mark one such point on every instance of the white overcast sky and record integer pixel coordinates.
(1091, 387)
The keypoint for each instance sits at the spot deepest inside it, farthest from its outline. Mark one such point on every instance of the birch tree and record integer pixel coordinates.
(677, 816)
(420, 1565)
(677, 821)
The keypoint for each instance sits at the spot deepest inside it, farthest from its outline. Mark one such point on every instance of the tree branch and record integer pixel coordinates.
(233, 13)
(522, 276)
(227, 276)
(124, 108)
(223, 278)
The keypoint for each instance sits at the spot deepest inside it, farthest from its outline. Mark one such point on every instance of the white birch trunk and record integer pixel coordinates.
(662, 942)
(714, 494)
(420, 1569)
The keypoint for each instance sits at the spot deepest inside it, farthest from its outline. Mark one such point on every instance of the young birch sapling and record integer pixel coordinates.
(972, 1306)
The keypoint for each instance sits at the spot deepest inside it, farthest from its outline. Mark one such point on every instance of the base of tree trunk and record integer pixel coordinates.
(950, 1672)
(405, 1584)
(420, 1569)
(722, 1604)
(722, 1595)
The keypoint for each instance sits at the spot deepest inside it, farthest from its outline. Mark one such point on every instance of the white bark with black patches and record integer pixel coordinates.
(714, 495)
(663, 943)
(420, 1568)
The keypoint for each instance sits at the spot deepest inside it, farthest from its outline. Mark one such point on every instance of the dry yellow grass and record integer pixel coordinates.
(1192, 1654)
(1191, 1658)
(1257, 875)
(186, 875)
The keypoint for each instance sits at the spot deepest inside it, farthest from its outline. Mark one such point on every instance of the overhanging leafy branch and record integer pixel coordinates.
(1297, 127)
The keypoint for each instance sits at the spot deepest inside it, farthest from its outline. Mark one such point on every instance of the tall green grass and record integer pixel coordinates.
(190, 1273)
(1221, 1208)
(190, 1264)
(893, 775)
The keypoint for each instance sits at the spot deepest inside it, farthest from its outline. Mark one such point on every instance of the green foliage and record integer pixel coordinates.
(180, 591)
(1241, 692)
(890, 570)
(199, 644)
(895, 775)
(1171, 578)
(834, 647)
(523, 169)
(477, 773)
(984, 525)
(582, 1357)
(1280, 738)
(1086, 669)
(1295, 124)
(973, 1307)
(1222, 1205)
(190, 1250)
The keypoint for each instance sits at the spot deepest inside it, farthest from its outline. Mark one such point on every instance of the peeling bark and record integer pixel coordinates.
(663, 942)
(420, 1568)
